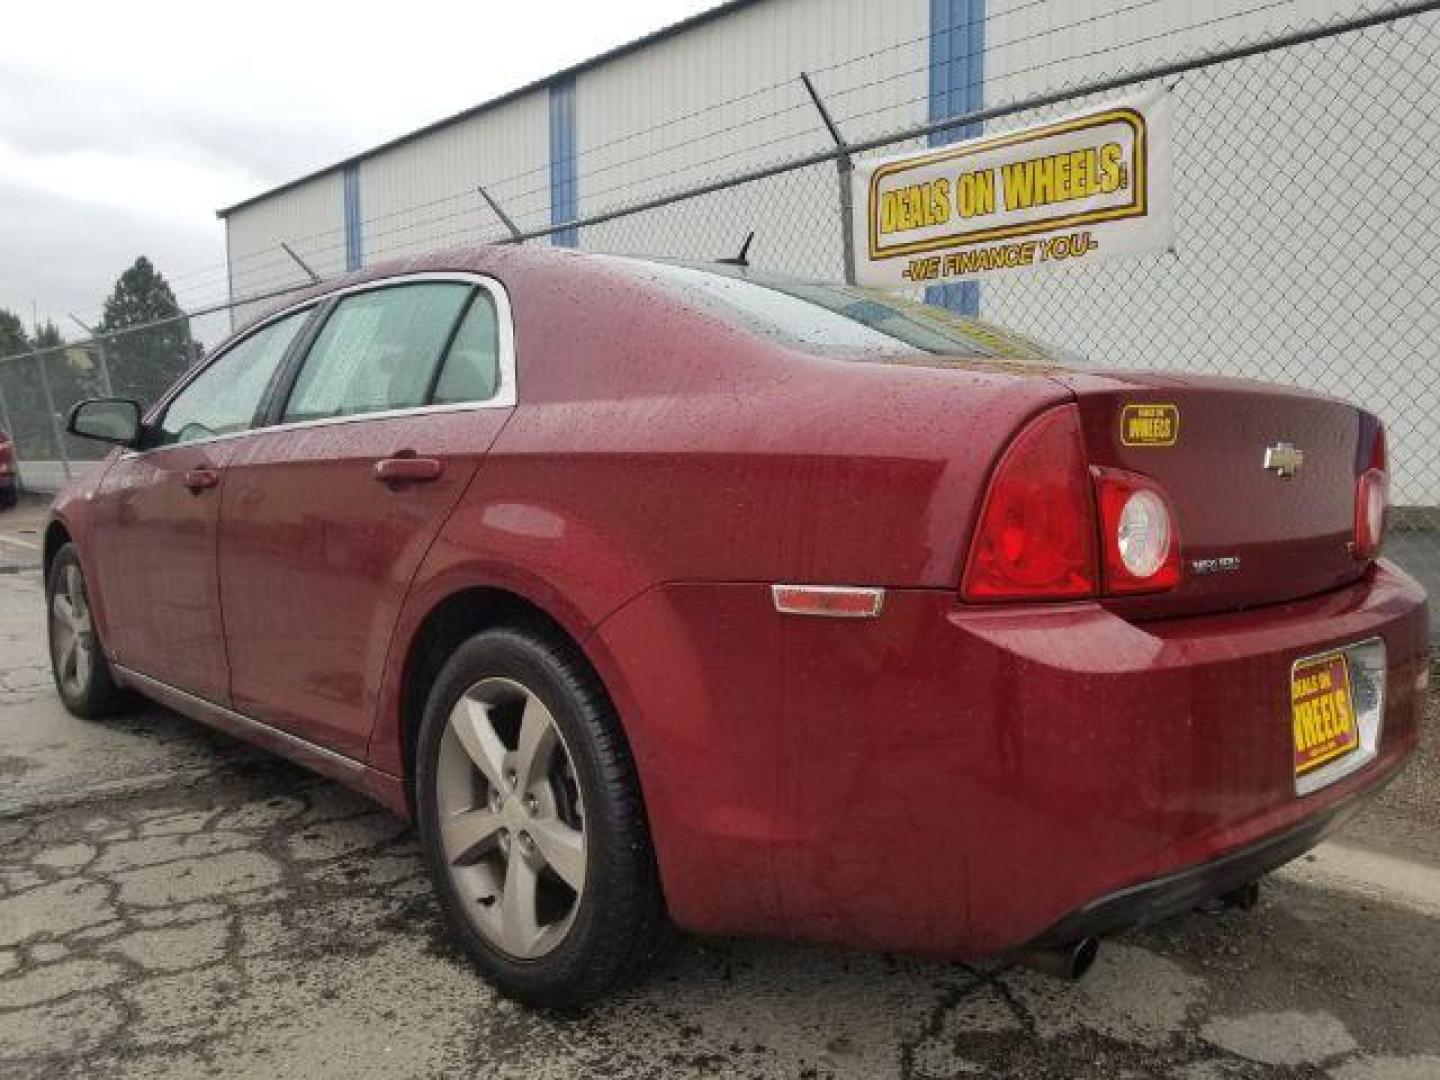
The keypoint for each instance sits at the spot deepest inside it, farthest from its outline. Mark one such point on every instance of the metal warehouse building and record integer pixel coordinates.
(1298, 176)
(711, 96)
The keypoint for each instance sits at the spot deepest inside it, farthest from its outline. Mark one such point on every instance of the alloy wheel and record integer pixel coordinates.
(72, 632)
(511, 822)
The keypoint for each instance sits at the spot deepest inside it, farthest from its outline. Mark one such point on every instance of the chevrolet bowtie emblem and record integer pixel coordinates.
(1283, 459)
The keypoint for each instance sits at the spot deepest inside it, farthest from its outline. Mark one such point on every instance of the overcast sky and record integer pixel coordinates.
(124, 126)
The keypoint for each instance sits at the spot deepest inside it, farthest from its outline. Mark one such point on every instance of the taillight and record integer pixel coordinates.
(1137, 534)
(1036, 536)
(1372, 500)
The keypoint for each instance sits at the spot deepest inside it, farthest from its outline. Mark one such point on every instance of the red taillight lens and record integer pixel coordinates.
(1372, 502)
(1137, 535)
(1378, 450)
(1036, 537)
(1372, 492)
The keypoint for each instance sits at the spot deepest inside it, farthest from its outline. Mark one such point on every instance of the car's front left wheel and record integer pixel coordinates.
(532, 822)
(82, 674)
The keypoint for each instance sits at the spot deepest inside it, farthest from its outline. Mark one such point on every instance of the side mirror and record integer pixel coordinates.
(111, 420)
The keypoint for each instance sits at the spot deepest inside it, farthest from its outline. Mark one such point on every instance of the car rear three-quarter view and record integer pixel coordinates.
(664, 593)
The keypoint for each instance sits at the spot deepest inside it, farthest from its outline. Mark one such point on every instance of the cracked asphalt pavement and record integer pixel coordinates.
(173, 904)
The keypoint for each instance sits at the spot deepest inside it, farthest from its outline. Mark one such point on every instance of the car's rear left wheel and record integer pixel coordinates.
(532, 822)
(82, 674)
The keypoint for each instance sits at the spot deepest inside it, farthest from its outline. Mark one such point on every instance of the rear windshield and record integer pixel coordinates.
(843, 320)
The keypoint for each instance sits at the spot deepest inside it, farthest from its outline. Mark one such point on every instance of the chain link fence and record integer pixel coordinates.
(1307, 193)
(38, 389)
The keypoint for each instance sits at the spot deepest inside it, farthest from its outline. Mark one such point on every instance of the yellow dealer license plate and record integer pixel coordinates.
(1323, 711)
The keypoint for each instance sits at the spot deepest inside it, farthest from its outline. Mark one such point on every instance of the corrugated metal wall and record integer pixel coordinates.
(310, 218)
(721, 96)
(727, 96)
(724, 95)
(1271, 277)
(1025, 54)
(422, 195)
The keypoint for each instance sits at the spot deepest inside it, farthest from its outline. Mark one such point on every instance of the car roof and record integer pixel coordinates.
(572, 273)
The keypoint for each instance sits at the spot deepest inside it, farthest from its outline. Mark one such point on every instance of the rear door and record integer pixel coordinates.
(329, 511)
(157, 514)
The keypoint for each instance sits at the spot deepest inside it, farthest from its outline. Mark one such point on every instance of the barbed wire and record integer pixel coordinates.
(279, 269)
(519, 206)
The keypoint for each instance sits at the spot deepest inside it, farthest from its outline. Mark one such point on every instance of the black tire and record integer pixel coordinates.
(619, 921)
(9, 496)
(96, 695)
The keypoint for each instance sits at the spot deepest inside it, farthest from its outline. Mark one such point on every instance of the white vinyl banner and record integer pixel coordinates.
(1083, 187)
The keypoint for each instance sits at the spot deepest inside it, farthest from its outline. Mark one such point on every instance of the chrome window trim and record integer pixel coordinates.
(505, 395)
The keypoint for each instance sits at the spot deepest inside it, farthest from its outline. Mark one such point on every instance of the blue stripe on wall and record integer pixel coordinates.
(564, 182)
(957, 85)
(354, 252)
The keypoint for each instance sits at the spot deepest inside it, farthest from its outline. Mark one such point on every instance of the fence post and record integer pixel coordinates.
(105, 382)
(314, 277)
(505, 218)
(844, 167)
(55, 428)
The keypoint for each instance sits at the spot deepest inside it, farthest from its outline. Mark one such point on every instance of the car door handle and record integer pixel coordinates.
(198, 480)
(408, 469)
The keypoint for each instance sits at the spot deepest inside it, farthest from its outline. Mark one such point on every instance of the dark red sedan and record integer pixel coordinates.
(9, 472)
(663, 592)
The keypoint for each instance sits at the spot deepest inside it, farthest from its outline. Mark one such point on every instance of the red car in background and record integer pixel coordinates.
(9, 472)
(656, 591)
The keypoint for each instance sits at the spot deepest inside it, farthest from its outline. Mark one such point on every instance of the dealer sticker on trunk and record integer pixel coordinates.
(1323, 711)
(1150, 424)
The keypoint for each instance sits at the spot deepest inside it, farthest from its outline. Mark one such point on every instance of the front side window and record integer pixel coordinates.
(224, 398)
(377, 351)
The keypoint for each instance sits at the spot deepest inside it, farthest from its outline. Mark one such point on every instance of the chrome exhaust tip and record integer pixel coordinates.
(1063, 961)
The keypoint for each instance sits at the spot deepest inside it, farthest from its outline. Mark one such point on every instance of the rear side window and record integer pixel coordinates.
(224, 398)
(472, 366)
(377, 351)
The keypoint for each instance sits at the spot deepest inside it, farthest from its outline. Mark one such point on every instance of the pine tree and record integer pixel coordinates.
(47, 336)
(12, 334)
(147, 343)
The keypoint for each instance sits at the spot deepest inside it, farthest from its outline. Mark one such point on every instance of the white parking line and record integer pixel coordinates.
(1370, 874)
(26, 544)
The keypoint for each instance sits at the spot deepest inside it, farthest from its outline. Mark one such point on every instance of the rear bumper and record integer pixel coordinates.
(962, 781)
(1183, 890)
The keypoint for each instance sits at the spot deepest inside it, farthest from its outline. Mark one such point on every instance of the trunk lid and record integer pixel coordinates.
(1248, 534)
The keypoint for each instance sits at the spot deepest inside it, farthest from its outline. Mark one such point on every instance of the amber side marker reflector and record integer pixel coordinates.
(832, 601)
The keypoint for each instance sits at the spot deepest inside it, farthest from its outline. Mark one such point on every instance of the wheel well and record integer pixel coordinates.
(56, 537)
(458, 617)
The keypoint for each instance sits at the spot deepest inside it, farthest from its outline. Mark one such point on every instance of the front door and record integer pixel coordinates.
(329, 513)
(157, 514)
